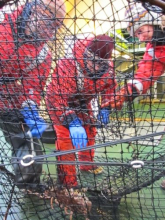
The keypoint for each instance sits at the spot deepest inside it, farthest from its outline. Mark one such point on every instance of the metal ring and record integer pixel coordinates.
(137, 164)
(29, 163)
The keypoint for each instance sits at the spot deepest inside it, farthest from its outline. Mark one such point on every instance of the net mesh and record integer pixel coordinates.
(129, 150)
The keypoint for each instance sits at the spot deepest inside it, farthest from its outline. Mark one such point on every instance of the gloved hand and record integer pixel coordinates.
(103, 115)
(78, 134)
(119, 98)
(34, 121)
(125, 94)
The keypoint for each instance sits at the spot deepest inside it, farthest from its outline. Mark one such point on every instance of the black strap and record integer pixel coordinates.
(4, 80)
(15, 38)
(24, 17)
(21, 24)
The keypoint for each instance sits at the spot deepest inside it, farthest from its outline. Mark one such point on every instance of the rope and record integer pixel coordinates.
(96, 146)
(134, 164)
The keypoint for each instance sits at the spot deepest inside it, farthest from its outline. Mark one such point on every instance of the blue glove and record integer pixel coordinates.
(103, 115)
(35, 122)
(78, 134)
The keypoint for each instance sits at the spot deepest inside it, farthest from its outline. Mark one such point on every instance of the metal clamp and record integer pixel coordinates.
(29, 163)
(137, 164)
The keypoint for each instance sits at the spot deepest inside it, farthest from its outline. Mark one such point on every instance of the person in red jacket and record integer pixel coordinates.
(149, 28)
(25, 64)
(76, 82)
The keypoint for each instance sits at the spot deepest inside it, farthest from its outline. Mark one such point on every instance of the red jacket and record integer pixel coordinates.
(150, 68)
(70, 92)
(24, 65)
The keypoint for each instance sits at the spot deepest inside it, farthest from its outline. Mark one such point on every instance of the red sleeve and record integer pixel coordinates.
(151, 67)
(58, 92)
(111, 86)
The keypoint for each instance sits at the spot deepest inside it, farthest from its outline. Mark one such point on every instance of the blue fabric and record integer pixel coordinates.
(103, 116)
(34, 121)
(78, 134)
